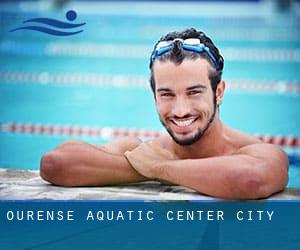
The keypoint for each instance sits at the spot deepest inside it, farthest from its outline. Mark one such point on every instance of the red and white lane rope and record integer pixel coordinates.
(107, 132)
(74, 130)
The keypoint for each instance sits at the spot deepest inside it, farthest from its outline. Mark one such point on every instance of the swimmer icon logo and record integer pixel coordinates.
(71, 15)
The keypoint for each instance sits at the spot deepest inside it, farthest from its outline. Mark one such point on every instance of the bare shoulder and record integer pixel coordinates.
(253, 146)
(270, 152)
(239, 138)
(121, 145)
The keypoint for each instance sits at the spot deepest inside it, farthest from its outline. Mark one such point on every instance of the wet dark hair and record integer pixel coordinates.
(177, 55)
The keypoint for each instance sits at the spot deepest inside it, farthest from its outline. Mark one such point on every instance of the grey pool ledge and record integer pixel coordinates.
(28, 185)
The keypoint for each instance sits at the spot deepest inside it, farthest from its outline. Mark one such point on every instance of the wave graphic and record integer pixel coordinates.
(70, 15)
(47, 30)
(54, 22)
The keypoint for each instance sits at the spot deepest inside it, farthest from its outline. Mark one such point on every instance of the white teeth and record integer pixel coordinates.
(184, 123)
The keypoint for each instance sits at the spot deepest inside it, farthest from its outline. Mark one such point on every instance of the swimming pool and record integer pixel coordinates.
(94, 85)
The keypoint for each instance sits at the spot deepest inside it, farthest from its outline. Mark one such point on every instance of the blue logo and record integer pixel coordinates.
(70, 15)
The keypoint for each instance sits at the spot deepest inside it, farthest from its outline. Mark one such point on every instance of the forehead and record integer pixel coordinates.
(191, 71)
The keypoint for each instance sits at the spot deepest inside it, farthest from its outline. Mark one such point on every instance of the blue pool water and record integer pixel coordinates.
(42, 77)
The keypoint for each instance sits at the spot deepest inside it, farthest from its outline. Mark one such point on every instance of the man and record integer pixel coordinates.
(200, 151)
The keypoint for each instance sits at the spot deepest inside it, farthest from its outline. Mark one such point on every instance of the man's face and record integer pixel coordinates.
(184, 98)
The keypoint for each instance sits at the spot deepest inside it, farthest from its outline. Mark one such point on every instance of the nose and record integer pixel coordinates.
(181, 107)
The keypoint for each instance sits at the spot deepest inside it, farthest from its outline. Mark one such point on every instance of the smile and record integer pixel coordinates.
(184, 123)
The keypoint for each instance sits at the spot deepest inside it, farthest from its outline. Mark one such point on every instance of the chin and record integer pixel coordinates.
(186, 140)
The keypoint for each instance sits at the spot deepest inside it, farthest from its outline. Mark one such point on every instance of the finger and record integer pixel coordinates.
(150, 142)
(153, 143)
(163, 151)
(157, 147)
(153, 146)
(130, 158)
(127, 153)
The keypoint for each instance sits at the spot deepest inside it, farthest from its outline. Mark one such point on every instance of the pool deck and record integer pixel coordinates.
(27, 185)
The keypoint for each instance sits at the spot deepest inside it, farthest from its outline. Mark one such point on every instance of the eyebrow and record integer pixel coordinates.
(198, 86)
(164, 89)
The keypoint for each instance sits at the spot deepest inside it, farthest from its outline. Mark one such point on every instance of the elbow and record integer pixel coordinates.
(261, 185)
(52, 169)
(253, 184)
(245, 188)
(254, 188)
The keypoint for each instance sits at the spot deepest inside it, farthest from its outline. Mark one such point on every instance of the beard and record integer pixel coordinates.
(197, 136)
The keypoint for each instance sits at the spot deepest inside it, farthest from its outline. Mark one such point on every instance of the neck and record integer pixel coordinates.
(212, 143)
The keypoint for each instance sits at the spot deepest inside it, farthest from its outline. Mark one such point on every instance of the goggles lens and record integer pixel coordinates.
(190, 44)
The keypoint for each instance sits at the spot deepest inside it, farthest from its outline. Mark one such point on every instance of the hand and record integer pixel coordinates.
(145, 158)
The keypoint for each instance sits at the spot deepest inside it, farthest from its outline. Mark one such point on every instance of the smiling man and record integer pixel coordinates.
(200, 152)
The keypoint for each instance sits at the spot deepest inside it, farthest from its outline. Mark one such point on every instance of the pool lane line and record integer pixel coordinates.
(109, 132)
(123, 81)
(140, 51)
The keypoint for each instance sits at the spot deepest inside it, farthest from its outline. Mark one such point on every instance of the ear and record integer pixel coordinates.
(154, 95)
(220, 92)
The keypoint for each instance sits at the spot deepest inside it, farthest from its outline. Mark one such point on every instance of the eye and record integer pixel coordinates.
(166, 94)
(194, 92)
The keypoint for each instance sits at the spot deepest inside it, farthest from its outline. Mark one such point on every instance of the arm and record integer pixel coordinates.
(256, 171)
(76, 163)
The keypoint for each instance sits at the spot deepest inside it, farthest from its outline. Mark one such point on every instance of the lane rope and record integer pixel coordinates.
(121, 81)
(109, 132)
(140, 51)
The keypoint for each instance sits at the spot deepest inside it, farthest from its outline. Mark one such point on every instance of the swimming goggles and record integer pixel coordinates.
(190, 44)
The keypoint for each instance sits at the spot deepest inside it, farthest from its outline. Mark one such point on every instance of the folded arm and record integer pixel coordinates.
(76, 163)
(256, 171)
